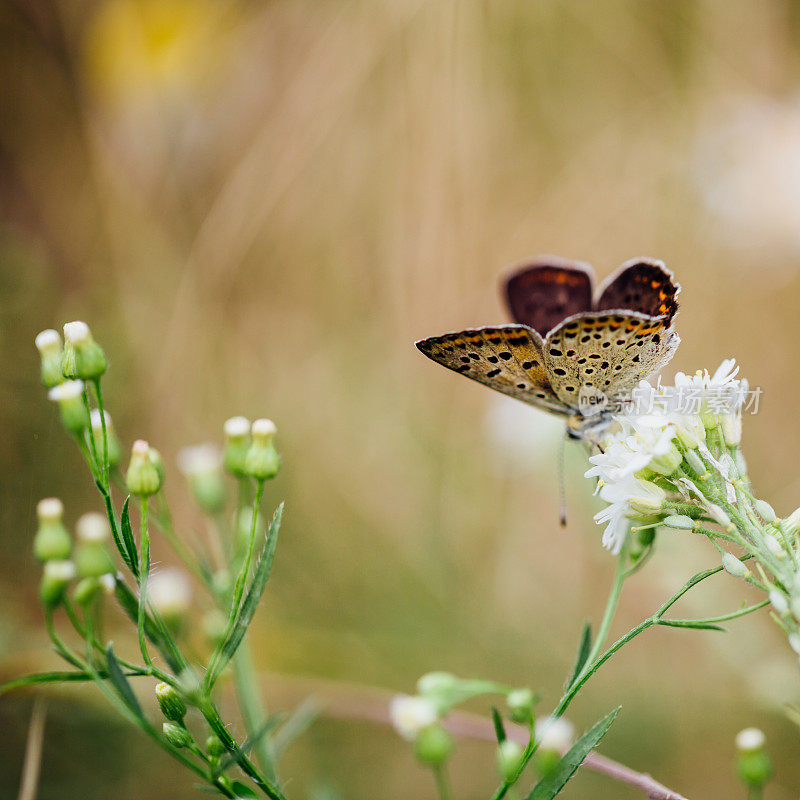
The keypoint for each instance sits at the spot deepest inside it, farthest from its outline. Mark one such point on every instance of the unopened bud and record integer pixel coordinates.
(69, 396)
(734, 566)
(171, 703)
(509, 758)
(750, 739)
(667, 463)
(680, 522)
(753, 764)
(433, 745)
(520, 705)
(55, 578)
(732, 429)
(237, 443)
(177, 735)
(262, 461)
(48, 343)
(86, 591)
(436, 683)
(143, 477)
(93, 560)
(779, 602)
(410, 715)
(202, 466)
(690, 431)
(774, 546)
(792, 523)
(765, 511)
(52, 541)
(719, 516)
(214, 746)
(554, 733)
(695, 462)
(92, 528)
(83, 358)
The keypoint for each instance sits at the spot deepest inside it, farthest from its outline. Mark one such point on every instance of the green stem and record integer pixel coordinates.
(144, 569)
(443, 782)
(99, 395)
(95, 460)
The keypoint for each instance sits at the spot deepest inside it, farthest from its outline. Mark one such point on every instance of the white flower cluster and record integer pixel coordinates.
(665, 437)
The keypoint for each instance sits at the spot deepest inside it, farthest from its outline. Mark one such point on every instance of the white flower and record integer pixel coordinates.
(68, 390)
(170, 593)
(236, 427)
(92, 527)
(554, 733)
(627, 499)
(50, 509)
(48, 341)
(200, 459)
(76, 332)
(410, 715)
(750, 739)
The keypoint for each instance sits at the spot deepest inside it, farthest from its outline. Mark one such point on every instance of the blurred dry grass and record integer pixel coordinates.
(259, 206)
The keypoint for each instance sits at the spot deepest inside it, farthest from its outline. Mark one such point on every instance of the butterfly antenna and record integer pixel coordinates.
(562, 492)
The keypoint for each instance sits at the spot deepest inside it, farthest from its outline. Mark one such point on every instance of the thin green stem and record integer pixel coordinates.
(61, 648)
(95, 460)
(443, 782)
(144, 569)
(99, 395)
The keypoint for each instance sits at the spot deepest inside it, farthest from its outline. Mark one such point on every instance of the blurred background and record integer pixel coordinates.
(259, 206)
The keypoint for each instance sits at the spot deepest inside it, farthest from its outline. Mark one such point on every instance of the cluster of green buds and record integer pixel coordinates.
(91, 561)
(250, 448)
(420, 718)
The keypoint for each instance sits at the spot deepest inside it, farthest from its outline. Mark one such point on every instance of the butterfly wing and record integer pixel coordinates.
(642, 284)
(507, 358)
(606, 351)
(543, 291)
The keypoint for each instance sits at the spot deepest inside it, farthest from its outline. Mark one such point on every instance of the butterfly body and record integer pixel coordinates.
(572, 350)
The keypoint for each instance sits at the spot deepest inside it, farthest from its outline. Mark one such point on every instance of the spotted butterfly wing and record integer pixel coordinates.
(642, 284)
(608, 352)
(507, 358)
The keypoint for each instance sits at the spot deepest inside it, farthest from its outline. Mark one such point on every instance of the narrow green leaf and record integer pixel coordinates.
(298, 722)
(121, 684)
(549, 787)
(499, 729)
(129, 554)
(584, 649)
(242, 789)
(248, 608)
(39, 678)
(691, 623)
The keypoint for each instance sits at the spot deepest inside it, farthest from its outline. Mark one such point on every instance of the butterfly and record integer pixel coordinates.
(572, 347)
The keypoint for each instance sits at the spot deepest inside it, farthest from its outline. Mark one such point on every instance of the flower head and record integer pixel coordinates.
(410, 715)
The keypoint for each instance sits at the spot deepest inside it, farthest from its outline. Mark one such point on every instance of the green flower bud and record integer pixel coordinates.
(214, 746)
(734, 566)
(433, 745)
(237, 443)
(86, 591)
(69, 396)
(55, 578)
(177, 735)
(202, 466)
(732, 429)
(48, 343)
(765, 511)
(689, 430)
(83, 358)
(93, 560)
(158, 462)
(112, 442)
(520, 705)
(546, 762)
(437, 683)
(792, 523)
(143, 478)
(753, 764)
(262, 461)
(172, 704)
(52, 541)
(680, 522)
(509, 758)
(695, 462)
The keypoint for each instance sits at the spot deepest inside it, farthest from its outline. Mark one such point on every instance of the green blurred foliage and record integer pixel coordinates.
(258, 207)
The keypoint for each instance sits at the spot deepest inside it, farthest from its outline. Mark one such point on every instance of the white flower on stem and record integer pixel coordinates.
(750, 739)
(628, 500)
(554, 733)
(411, 714)
(170, 593)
